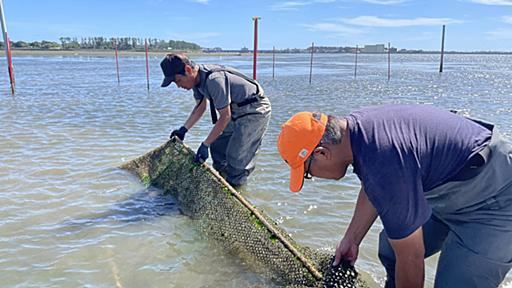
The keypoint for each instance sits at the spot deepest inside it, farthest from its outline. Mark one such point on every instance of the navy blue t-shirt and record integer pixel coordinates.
(401, 151)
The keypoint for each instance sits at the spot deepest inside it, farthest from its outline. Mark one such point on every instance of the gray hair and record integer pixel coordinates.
(333, 130)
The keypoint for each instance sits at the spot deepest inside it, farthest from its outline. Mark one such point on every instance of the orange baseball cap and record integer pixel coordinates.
(298, 138)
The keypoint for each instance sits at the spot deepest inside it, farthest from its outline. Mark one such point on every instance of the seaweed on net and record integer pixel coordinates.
(227, 218)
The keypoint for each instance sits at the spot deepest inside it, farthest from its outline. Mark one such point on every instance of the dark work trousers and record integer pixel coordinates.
(234, 150)
(471, 225)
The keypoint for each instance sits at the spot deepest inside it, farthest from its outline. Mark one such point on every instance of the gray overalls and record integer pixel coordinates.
(471, 224)
(233, 152)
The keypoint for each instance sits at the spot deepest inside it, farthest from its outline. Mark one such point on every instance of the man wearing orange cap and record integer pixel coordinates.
(439, 182)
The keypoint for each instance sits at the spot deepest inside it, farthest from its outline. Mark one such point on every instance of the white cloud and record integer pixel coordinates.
(386, 2)
(494, 2)
(332, 27)
(373, 21)
(204, 2)
(507, 19)
(294, 5)
(287, 6)
(500, 34)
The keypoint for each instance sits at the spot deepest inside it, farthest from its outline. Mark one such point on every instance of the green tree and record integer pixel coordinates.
(49, 45)
(20, 44)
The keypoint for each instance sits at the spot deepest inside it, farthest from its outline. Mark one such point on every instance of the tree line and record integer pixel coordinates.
(122, 43)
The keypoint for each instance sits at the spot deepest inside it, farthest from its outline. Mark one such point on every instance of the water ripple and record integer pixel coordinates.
(69, 217)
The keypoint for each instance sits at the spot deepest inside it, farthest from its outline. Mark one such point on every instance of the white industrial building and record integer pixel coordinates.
(378, 48)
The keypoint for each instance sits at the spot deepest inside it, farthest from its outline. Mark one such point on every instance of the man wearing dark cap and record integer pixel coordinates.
(244, 113)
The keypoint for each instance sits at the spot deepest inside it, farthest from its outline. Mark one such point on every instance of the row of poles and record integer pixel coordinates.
(255, 19)
(355, 64)
(255, 55)
(146, 48)
(10, 66)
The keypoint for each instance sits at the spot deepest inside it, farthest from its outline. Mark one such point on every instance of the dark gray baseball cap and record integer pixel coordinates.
(171, 65)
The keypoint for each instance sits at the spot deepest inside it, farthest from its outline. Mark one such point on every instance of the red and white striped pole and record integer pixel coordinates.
(255, 51)
(7, 44)
(147, 62)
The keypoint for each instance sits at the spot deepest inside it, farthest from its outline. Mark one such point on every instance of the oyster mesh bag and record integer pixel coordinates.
(225, 217)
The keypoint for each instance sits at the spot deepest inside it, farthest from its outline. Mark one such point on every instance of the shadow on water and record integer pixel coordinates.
(143, 206)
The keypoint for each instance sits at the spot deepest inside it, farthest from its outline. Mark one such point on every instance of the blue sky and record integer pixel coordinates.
(471, 25)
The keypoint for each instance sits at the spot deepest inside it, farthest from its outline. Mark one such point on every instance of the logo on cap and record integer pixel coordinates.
(303, 153)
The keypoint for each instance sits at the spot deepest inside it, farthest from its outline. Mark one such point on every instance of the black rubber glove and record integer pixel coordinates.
(180, 133)
(202, 153)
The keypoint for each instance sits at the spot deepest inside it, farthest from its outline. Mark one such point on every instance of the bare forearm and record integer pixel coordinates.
(410, 263)
(409, 272)
(364, 216)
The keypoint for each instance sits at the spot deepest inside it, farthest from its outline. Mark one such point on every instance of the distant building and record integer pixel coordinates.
(212, 50)
(378, 48)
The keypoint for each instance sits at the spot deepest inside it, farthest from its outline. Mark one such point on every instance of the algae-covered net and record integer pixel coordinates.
(223, 215)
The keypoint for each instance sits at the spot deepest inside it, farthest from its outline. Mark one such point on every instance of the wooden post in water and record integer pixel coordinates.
(273, 61)
(117, 62)
(7, 44)
(355, 66)
(311, 62)
(389, 61)
(255, 51)
(442, 51)
(147, 62)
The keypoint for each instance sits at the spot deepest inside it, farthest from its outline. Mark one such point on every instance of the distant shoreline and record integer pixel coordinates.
(121, 53)
(87, 52)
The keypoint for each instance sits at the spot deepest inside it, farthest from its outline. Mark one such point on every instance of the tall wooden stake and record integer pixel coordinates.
(147, 62)
(117, 62)
(355, 65)
(311, 62)
(389, 61)
(255, 51)
(442, 50)
(273, 61)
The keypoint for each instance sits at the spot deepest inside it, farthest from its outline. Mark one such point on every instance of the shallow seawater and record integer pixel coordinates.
(69, 217)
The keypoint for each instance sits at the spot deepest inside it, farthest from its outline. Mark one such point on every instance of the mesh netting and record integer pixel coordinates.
(228, 219)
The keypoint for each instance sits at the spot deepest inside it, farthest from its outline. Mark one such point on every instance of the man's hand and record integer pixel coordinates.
(202, 153)
(180, 133)
(346, 250)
